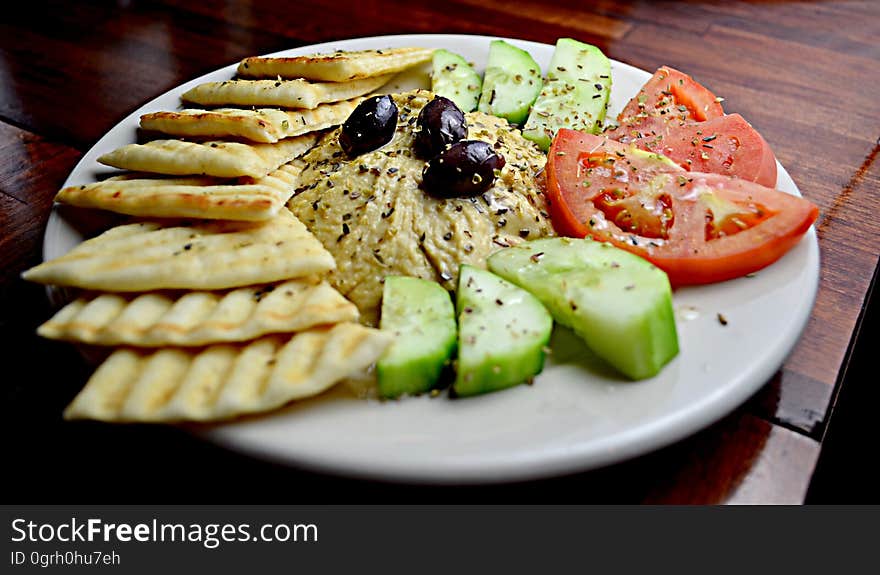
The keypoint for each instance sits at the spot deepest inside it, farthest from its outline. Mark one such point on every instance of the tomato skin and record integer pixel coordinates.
(662, 95)
(675, 116)
(766, 173)
(727, 145)
(686, 255)
(748, 250)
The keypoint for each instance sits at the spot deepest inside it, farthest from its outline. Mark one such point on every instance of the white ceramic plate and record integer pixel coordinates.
(577, 415)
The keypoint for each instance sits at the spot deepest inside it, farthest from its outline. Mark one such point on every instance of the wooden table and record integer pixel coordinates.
(804, 73)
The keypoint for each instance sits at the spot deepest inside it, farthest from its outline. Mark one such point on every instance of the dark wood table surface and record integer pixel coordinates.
(805, 74)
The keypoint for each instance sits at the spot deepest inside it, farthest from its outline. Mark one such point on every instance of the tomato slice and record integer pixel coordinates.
(698, 227)
(675, 116)
(671, 95)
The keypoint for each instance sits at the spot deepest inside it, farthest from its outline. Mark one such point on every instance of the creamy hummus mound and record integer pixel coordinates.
(372, 215)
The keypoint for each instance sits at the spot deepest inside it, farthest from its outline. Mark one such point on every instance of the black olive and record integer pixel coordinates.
(441, 124)
(466, 168)
(370, 126)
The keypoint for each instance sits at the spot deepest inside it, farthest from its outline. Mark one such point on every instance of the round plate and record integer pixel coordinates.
(577, 415)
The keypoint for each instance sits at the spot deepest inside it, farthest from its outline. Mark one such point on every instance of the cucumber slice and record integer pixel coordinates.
(453, 78)
(575, 95)
(502, 333)
(421, 316)
(511, 83)
(617, 302)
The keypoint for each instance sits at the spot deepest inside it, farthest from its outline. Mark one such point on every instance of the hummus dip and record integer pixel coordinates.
(372, 215)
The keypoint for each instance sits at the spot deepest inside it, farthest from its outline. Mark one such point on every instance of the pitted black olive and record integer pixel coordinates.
(370, 126)
(467, 168)
(441, 124)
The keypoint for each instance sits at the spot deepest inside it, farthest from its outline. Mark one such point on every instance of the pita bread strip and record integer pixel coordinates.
(254, 125)
(264, 125)
(341, 66)
(324, 116)
(224, 381)
(206, 198)
(199, 318)
(218, 159)
(205, 255)
(296, 93)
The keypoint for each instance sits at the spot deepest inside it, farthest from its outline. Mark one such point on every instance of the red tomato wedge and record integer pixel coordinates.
(697, 227)
(675, 116)
(671, 94)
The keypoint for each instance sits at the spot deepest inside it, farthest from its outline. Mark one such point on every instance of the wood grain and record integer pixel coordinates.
(786, 72)
(32, 169)
(804, 73)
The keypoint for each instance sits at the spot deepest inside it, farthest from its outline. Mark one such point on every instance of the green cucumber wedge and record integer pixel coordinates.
(502, 333)
(575, 95)
(422, 318)
(617, 302)
(511, 82)
(453, 78)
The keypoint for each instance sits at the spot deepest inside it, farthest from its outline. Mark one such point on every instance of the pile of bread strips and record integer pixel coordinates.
(214, 295)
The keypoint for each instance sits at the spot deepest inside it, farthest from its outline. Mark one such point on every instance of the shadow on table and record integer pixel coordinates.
(845, 471)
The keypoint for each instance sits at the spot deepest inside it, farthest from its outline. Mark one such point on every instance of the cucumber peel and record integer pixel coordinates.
(420, 315)
(511, 82)
(617, 302)
(454, 78)
(575, 95)
(503, 333)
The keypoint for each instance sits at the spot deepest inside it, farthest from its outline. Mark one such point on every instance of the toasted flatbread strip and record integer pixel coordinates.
(218, 159)
(265, 125)
(197, 197)
(255, 125)
(205, 255)
(200, 197)
(224, 381)
(281, 93)
(340, 66)
(159, 319)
